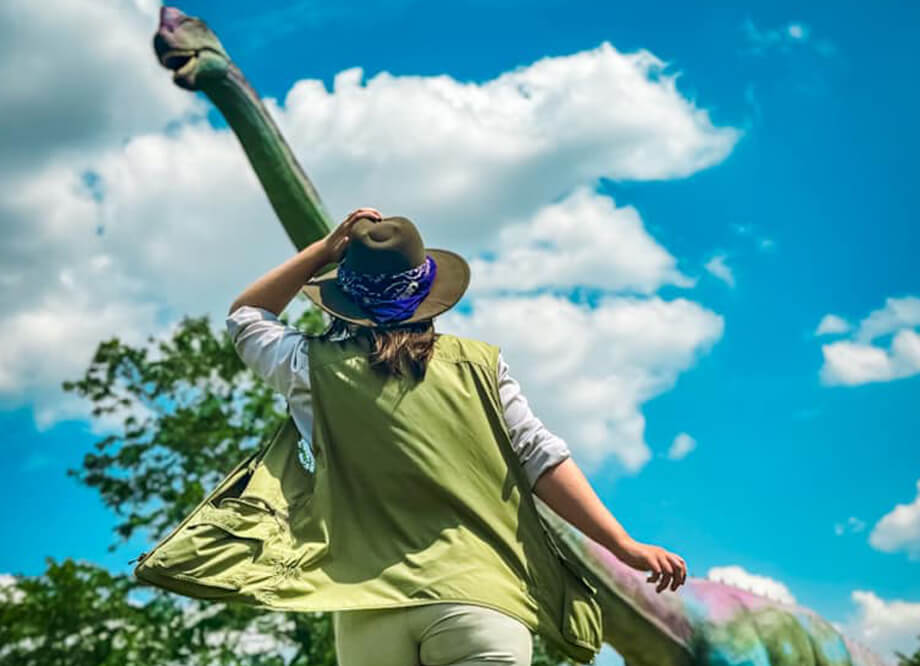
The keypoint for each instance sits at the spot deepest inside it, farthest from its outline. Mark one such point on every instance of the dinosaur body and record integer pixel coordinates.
(704, 622)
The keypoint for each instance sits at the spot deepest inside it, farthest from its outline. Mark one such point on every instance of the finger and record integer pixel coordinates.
(683, 567)
(346, 227)
(678, 570)
(665, 581)
(679, 578)
(653, 576)
(667, 574)
(357, 215)
(367, 212)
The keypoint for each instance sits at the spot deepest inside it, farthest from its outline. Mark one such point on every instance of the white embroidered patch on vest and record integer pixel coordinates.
(305, 455)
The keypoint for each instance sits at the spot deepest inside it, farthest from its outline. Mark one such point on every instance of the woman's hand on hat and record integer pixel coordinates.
(336, 241)
(666, 568)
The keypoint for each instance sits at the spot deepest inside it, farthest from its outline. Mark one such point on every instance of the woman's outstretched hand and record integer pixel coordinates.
(666, 567)
(336, 241)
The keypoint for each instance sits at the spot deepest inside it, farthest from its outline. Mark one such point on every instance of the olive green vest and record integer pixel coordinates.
(417, 496)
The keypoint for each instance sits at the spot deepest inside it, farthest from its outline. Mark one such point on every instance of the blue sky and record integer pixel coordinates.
(798, 457)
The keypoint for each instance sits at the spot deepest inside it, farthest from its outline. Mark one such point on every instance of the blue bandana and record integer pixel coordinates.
(388, 297)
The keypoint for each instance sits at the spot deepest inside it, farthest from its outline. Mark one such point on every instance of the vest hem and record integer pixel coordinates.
(405, 604)
(564, 644)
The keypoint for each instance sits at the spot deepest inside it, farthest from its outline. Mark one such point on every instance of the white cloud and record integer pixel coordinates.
(588, 371)
(831, 324)
(80, 76)
(899, 529)
(494, 153)
(863, 358)
(120, 228)
(884, 625)
(721, 270)
(582, 239)
(681, 446)
(897, 314)
(852, 524)
(762, 585)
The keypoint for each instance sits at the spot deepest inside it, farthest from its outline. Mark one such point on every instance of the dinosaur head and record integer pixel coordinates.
(187, 46)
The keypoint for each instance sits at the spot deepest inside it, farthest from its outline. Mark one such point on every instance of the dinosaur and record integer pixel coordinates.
(704, 622)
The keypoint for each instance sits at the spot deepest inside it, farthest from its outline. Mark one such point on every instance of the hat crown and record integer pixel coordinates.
(391, 245)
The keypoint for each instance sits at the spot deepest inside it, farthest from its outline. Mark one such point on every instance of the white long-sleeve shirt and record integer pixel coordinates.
(277, 353)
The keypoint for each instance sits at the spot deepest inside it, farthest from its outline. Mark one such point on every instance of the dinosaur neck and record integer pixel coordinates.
(646, 628)
(290, 192)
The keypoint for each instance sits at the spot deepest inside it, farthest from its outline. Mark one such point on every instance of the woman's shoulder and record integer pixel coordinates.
(461, 347)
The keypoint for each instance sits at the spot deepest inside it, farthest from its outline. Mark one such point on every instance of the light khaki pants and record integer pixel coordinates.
(435, 634)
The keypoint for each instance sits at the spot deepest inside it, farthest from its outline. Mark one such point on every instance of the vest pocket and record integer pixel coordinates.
(241, 517)
(582, 621)
(219, 545)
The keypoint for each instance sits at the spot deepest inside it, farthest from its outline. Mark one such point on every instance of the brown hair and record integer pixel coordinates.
(399, 350)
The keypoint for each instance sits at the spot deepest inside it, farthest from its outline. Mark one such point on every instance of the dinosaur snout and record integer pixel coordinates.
(170, 18)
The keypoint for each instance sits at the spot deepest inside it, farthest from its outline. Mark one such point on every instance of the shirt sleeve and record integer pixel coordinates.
(537, 448)
(276, 352)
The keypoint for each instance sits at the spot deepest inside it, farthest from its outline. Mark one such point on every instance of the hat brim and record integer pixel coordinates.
(450, 283)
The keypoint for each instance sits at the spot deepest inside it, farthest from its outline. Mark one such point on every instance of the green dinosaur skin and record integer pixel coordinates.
(187, 46)
(704, 623)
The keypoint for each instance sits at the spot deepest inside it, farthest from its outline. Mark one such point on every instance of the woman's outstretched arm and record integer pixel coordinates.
(567, 492)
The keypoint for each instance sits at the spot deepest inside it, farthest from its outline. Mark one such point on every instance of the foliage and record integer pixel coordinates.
(77, 613)
(190, 412)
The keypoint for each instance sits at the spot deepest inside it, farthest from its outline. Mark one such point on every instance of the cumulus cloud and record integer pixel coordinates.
(884, 625)
(884, 346)
(762, 585)
(587, 371)
(495, 152)
(721, 270)
(899, 529)
(79, 76)
(122, 226)
(897, 314)
(681, 446)
(831, 324)
(582, 239)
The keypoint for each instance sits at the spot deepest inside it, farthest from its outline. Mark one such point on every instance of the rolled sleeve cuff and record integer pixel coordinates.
(545, 457)
(246, 314)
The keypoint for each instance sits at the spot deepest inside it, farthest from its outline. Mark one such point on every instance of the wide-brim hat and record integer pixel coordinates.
(390, 245)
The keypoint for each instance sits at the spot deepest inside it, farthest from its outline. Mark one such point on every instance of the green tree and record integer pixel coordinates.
(77, 613)
(190, 411)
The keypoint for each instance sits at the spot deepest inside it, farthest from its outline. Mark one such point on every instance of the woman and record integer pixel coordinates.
(380, 373)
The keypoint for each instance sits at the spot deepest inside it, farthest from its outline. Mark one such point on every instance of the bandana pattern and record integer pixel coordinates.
(388, 297)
